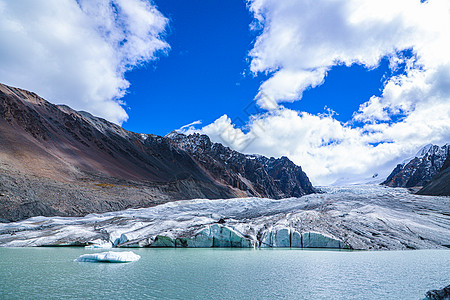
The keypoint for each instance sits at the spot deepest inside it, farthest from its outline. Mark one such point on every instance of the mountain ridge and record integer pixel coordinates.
(419, 170)
(58, 161)
(439, 185)
(280, 177)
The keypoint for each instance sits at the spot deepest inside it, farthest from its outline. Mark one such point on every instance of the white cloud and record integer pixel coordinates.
(301, 40)
(190, 126)
(308, 38)
(287, 85)
(327, 149)
(77, 52)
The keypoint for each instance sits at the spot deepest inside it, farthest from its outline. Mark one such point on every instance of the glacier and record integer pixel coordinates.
(366, 217)
(109, 257)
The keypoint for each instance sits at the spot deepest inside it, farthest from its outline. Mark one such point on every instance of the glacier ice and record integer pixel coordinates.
(99, 244)
(215, 235)
(356, 217)
(109, 257)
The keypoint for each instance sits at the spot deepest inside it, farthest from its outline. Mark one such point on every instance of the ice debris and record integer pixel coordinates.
(109, 257)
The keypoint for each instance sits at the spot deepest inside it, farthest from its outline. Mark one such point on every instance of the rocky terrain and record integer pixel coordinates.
(370, 217)
(418, 171)
(439, 184)
(442, 294)
(58, 161)
(255, 174)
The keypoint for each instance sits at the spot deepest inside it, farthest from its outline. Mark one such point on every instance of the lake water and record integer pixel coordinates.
(224, 274)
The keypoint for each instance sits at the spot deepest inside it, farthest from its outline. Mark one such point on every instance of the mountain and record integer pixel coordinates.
(439, 184)
(418, 171)
(255, 174)
(58, 161)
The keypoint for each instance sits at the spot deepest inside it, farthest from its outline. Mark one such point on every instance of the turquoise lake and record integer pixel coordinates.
(45, 273)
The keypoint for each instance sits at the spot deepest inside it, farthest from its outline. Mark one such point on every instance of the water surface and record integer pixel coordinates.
(224, 274)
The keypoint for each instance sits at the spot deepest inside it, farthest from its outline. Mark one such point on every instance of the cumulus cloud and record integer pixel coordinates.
(301, 40)
(329, 150)
(76, 52)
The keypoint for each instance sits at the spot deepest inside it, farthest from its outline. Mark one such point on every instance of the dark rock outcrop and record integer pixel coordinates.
(419, 170)
(442, 294)
(257, 175)
(58, 161)
(439, 184)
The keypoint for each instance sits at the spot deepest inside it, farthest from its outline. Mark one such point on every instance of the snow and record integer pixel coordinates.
(374, 179)
(109, 257)
(423, 151)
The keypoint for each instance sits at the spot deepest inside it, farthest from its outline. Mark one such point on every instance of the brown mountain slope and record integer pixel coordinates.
(57, 161)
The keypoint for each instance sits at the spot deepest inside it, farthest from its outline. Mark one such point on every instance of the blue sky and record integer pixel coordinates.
(201, 78)
(206, 73)
(381, 67)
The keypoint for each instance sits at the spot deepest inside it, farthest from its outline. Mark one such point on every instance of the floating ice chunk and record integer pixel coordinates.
(109, 257)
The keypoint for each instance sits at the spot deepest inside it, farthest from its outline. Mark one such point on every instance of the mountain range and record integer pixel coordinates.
(58, 161)
(427, 172)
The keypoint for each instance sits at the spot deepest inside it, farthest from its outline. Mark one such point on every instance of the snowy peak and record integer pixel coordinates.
(418, 171)
(425, 149)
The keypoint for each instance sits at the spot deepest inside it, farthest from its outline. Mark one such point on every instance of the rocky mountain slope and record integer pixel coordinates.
(421, 169)
(439, 184)
(255, 174)
(57, 161)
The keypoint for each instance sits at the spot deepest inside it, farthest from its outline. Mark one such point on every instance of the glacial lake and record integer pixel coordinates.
(45, 273)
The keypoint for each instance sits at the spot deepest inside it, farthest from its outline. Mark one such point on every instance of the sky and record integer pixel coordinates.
(344, 88)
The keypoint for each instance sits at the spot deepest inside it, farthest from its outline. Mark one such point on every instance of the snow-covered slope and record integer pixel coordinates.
(358, 217)
(374, 179)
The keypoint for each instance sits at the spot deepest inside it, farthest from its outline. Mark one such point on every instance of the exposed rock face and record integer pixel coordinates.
(419, 170)
(257, 175)
(439, 184)
(57, 161)
(442, 294)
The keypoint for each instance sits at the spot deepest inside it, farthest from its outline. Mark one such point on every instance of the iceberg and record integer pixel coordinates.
(109, 257)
